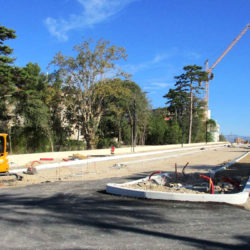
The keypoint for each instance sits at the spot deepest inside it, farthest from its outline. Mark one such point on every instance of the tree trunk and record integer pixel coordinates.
(90, 126)
(190, 117)
(132, 136)
(90, 140)
(10, 140)
(51, 143)
(78, 138)
(10, 143)
(119, 132)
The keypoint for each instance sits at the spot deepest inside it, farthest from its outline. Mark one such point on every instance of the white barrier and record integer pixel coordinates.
(236, 198)
(120, 189)
(108, 158)
(22, 159)
(247, 186)
(213, 172)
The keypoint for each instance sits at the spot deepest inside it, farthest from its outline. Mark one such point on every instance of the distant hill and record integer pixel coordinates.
(231, 138)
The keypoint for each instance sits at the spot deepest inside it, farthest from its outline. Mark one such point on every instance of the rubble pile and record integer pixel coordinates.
(190, 183)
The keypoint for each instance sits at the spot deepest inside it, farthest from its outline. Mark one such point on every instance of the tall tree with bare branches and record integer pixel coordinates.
(92, 66)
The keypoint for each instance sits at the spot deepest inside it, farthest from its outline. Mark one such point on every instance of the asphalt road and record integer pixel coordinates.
(80, 215)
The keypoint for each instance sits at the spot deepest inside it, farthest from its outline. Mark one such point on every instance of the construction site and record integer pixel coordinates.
(72, 193)
(142, 177)
(182, 162)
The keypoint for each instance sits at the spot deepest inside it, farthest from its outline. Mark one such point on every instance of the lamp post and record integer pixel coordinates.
(206, 130)
(180, 111)
(133, 133)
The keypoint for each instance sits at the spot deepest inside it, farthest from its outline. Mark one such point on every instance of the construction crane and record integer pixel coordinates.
(209, 70)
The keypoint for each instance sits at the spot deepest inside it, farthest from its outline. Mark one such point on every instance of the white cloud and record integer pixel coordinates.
(156, 61)
(192, 55)
(163, 60)
(133, 68)
(94, 11)
(157, 86)
(167, 55)
(161, 84)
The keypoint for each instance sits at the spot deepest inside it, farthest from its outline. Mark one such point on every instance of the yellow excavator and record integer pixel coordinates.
(4, 162)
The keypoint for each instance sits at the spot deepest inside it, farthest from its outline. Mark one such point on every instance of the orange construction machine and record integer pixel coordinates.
(4, 162)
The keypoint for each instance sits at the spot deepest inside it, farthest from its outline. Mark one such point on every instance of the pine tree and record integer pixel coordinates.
(6, 79)
(190, 81)
(184, 103)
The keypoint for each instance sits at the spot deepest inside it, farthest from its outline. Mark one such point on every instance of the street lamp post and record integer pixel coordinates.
(133, 133)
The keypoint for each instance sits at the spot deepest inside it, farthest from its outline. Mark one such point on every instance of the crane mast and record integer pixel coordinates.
(209, 70)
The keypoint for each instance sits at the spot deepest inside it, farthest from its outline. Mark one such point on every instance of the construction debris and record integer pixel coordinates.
(183, 170)
(119, 165)
(189, 183)
(78, 157)
(31, 171)
(46, 159)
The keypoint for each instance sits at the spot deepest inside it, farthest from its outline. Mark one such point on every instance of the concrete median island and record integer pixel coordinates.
(219, 185)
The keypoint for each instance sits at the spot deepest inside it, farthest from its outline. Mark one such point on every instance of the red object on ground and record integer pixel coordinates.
(210, 182)
(113, 150)
(65, 159)
(234, 183)
(33, 162)
(46, 159)
(156, 172)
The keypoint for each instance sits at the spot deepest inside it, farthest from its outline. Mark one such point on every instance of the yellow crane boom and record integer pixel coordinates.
(209, 70)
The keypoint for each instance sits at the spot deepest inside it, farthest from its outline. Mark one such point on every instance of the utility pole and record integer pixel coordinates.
(134, 126)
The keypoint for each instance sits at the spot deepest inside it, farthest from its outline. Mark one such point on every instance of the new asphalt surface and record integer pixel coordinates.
(80, 215)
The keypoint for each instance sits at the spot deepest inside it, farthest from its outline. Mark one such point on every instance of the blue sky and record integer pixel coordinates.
(160, 37)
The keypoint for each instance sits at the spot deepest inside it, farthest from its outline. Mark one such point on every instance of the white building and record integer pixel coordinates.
(214, 130)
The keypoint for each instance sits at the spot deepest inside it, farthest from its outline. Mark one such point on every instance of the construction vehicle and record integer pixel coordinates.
(209, 70)
(4, 162)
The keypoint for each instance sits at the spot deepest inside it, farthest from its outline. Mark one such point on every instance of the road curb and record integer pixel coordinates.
(120, 189)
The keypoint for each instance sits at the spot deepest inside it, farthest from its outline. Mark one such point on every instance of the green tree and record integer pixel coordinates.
(190, 82)
(177, 113)
(31, 109)
(6, 69)
(81, 73)
(199, 120)
(222, 138)
(60, 115)
(6, 79)
(137, 110)
(125, 104)
(157, 129)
